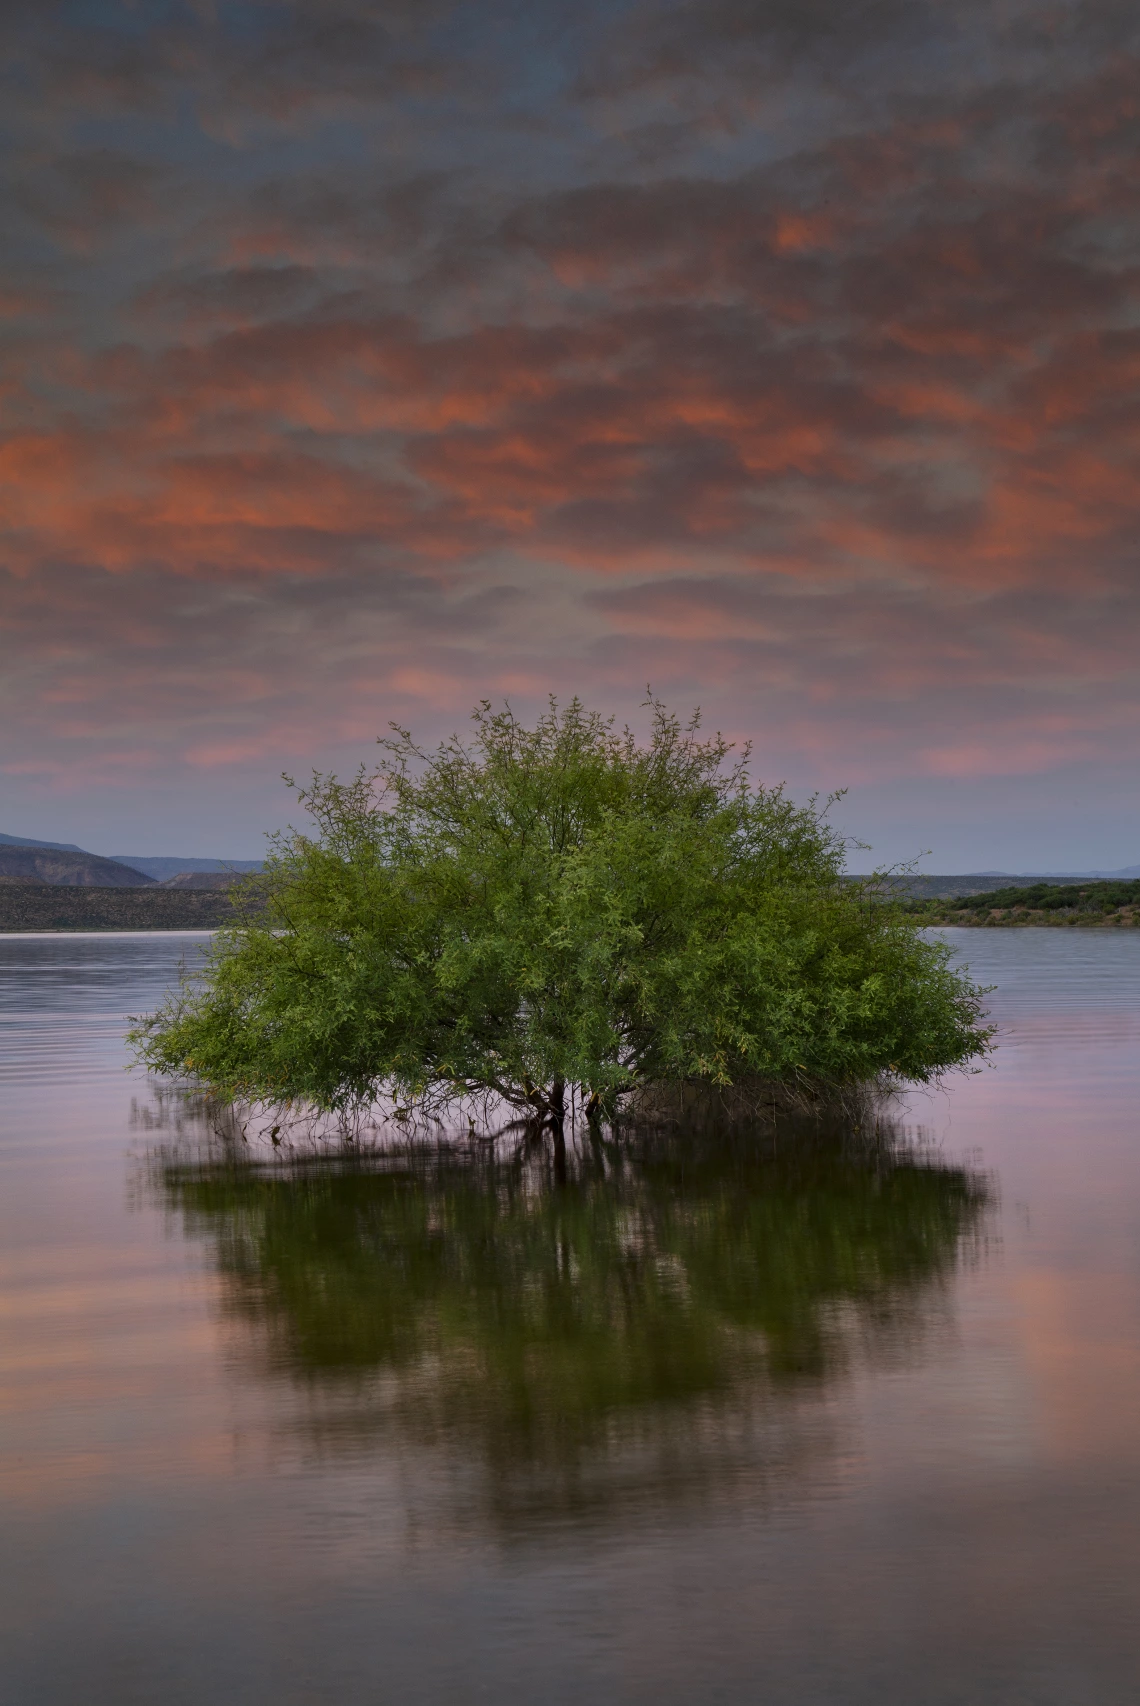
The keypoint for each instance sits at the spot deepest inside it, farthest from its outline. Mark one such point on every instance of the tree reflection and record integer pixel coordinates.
(548, 1323)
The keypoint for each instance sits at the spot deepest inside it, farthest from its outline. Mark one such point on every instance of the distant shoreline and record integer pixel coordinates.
(1093, 905)
(953, 922)
(35, 935)
(35, 909)
(39, 908)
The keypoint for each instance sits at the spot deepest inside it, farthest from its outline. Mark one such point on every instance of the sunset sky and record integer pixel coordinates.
(365, 358)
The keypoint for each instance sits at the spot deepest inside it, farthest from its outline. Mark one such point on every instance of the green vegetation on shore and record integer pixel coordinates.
(1113, 903)
(555, 911)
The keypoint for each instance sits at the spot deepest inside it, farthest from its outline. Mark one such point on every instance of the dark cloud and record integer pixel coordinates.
(79, 198)
(712, 41)
(276, 60)
(236, 296)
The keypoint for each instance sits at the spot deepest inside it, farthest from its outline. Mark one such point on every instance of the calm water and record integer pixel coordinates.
(818, 1419)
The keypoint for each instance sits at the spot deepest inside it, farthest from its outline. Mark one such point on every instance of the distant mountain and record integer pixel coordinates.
(201, 880)
(24, 841)
(1126, 872)
(927, 885)
(60, 867)
(169, 865)
(1029, 876)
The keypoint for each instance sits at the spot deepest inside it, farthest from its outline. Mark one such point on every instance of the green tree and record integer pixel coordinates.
(537, 909)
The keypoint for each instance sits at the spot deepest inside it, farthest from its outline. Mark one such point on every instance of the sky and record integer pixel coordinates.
(363, 359)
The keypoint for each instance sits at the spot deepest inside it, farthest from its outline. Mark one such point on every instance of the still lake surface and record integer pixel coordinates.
(811, 1419)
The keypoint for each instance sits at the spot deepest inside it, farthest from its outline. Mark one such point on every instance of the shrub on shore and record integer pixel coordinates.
(1112, 902)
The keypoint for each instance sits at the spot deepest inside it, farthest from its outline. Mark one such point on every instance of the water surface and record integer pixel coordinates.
(813, 1416)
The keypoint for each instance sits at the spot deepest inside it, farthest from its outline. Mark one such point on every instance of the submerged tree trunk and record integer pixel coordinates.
(557, 1121)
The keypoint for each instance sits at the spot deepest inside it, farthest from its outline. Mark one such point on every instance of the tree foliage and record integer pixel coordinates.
(560, 906)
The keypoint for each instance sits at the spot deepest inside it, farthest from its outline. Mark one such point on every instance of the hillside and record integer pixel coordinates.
(48, 906)
(67, 870)
(201, 880)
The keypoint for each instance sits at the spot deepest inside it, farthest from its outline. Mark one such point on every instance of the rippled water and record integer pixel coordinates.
(814, 1418)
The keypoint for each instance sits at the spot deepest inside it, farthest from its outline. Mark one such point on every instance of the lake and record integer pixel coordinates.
(813, 1416)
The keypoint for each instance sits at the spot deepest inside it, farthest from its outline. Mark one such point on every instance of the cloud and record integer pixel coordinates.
(362, 358)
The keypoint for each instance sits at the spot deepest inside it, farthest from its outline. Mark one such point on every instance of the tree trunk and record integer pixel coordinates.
(557, 1121)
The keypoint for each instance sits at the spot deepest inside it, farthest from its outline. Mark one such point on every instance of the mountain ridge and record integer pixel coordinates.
(61, 868)
(147, 867)
(25, 841)
(164, 865)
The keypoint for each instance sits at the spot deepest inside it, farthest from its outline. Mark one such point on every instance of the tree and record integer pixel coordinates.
(560, 908)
